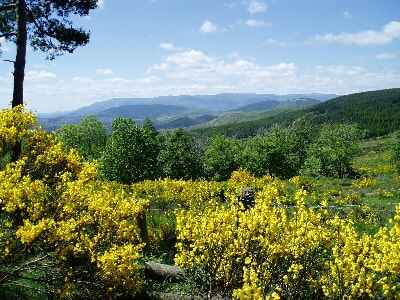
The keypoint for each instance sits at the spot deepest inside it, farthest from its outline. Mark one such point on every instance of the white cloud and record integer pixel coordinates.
(257, 23)
(256, 7)
(208, 27)
(386, 35)
(104, 72)
(387, 56)
(188, 58)
(39, 75)
(100, 3)
(197, 72)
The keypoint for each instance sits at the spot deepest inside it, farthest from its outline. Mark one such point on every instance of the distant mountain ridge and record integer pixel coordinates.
(186, 110)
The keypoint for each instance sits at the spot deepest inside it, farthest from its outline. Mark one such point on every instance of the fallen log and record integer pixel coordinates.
(172, 296)
(161, 272)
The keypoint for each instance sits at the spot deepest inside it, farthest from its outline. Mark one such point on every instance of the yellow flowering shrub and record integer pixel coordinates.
(50, 200)
(268, 240)
(295, 242)
(168, 193)
(15, 126)
(363, 266)
(268, 251)
(127, 273)
(364, 182)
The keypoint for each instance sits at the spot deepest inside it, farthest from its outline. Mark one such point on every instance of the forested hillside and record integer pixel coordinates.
(377, 111)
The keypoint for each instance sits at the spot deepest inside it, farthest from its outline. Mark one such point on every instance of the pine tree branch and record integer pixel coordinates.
(7, 7)
(41, 30)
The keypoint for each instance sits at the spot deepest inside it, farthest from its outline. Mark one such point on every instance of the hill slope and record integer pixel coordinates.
(377, 111)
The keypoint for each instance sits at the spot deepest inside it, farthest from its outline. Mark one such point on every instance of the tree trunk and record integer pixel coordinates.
(19, 66)
(20, 59)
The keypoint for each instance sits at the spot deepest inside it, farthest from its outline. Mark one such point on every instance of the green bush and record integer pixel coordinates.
(89, 137)
(131, 153)
(396, 152)
(221, 157)
(279, 152)
(180, 156)
(332, 152)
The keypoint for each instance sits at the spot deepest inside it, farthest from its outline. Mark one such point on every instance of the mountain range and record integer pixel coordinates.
(182, 111)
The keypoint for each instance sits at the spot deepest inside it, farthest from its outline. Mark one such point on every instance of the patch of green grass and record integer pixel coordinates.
(161, 227)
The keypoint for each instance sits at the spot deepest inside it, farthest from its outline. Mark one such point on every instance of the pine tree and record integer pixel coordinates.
(46, 26)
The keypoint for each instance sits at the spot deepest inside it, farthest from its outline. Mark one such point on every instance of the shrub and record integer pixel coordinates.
(131, 153)
(53, 204)
(221, 157)
(269, 252)
(331, 154)
(277, 153)
(396, 152)
(89, 137)
(180, 156)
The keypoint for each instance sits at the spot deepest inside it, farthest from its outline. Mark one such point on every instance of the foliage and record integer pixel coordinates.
(279, 152)
(271, 252)
(49, 24)
(65, 230)
(377, 112)
(53, 202)
(171, 194)
(332, 152)
(180, 157)
(15, 127)
(131, 153)
(396, 152)
(221, 157)
(89, 137)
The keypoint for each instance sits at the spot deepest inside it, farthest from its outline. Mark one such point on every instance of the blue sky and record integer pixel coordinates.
(149, 48)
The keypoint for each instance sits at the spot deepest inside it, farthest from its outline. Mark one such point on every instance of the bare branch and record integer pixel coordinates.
(23, 267)
(7, 7)
(9, 60)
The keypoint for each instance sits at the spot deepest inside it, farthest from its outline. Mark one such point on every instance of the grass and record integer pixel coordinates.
(378, 200)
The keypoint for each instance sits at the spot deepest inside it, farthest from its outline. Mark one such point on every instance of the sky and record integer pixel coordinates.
(147, 48)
